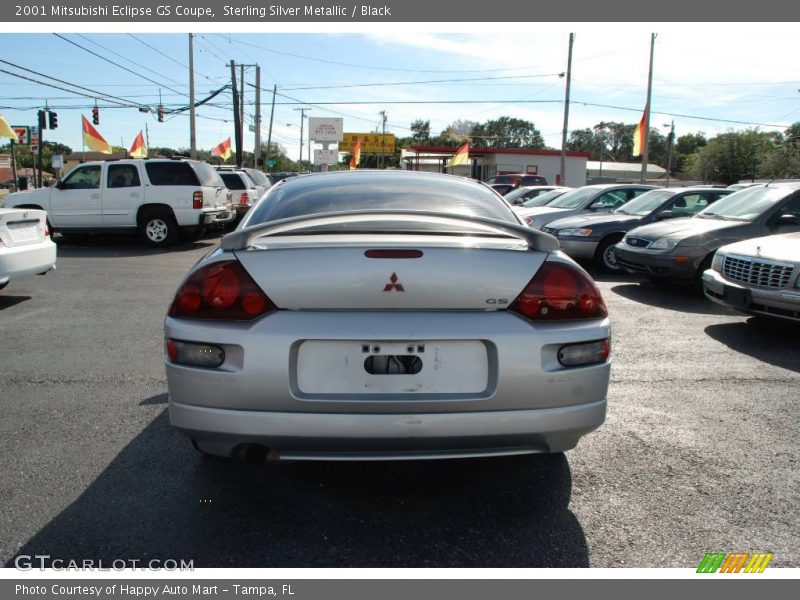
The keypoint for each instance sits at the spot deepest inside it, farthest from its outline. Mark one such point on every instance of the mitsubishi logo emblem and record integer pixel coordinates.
(393, 285)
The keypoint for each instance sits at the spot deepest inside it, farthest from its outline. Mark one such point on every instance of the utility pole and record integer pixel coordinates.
(42, 125)
(670, 143)
(242, 127)
(192, 125)
(302, 116)
(257, 150)
(147, 138)
(383, 137)
(269, 135)
(645, 146)
(237, 124)
(563, 171)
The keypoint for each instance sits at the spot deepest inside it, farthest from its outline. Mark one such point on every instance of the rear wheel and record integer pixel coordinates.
(158, 228)
(605, 257)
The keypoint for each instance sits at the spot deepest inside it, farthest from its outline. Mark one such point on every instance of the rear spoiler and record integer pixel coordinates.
(243, 238)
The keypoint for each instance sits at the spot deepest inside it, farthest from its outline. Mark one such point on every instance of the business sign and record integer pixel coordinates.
(34, 138)
(371, 143)
(23, 134)
(325, 129)
(326, 157)
(57, 161)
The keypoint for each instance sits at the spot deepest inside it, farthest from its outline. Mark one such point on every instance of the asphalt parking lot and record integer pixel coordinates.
(699, 452)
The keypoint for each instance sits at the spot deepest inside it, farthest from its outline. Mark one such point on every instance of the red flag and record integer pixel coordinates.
(638, 134)
(355, 159)
(93, 139)
(139, 149)
(223, 149)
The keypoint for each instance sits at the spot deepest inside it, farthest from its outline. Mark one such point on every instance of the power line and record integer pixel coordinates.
(92, 52)
(381, 84)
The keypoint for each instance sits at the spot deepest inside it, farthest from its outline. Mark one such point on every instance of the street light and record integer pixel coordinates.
(671, 126)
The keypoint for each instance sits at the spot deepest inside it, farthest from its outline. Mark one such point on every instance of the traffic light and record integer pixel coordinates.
(96, 116)
(52, 119)
(42, 124)
(160, 113)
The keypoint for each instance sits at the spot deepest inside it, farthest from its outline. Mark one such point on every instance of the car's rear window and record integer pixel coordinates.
(206, 173)
(258, 177)
(381, 190)
(232, 181)
(171, 173)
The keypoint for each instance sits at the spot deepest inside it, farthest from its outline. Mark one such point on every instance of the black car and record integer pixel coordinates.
(594, 236)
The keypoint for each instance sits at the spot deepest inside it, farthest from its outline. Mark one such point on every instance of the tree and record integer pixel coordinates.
(686, 146)
(734, 155)
(420, 131)
(507, 132)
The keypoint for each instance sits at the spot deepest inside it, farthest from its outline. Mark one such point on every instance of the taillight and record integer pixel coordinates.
(560, 292)
(221, 291)
(243, 199)
(197, 200)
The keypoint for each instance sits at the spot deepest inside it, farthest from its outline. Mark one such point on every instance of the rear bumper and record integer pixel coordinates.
(779, 303)
(313, 436)
(221, 218)
(21, 261)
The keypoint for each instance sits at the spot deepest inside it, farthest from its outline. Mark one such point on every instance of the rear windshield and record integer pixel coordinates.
(258, 177)
(232, 181)
(380, 190)
(171, 173)
(208, 176)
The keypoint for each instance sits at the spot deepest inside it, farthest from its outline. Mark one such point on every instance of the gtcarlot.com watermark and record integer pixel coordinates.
(42, 562)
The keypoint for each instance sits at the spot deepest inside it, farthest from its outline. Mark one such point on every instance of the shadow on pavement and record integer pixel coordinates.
(671, 297)
(773, 342)
(7, 301)
(125, 245)
(159, 499)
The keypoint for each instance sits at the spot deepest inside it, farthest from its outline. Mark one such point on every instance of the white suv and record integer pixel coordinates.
(156, 197)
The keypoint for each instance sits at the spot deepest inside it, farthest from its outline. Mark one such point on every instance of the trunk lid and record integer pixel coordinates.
(336, 272)
(22, 226)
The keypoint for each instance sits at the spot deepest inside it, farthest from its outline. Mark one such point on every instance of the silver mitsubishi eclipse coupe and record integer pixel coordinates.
(369, 315)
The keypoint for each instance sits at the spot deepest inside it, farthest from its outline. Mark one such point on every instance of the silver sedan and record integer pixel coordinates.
(386, 315)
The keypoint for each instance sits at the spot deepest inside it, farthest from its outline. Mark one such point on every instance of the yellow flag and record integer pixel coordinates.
(461, 156)
(6, 131)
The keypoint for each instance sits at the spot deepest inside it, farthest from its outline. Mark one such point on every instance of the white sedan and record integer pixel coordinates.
(25, 244)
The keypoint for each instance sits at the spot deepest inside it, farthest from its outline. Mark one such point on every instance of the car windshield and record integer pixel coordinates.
(646, 203)
(747, 204)
(543, 199)
(516, 194)
(363, 190)
(574, 198)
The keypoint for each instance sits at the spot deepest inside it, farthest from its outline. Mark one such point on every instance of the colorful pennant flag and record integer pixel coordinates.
(638, 134)
(461, 157)
(223, 149)
(355, 158)
(139, 148)
(6, 131)
(93, 139)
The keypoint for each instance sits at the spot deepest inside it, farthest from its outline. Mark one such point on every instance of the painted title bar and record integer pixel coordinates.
(464, 11)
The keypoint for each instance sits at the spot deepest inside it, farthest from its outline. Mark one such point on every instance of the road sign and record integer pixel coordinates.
(57, 161)
(272, 162)
(23, 134)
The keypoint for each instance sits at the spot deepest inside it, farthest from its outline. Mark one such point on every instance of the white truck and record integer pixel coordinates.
(159, 198)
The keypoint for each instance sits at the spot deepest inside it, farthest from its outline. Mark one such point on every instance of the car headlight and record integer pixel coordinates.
(664, 244)
(574, 232)
(717, 262)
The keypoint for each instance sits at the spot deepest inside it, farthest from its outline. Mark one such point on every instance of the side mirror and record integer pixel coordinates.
(59, 184)
(666, 214)
(786, 219)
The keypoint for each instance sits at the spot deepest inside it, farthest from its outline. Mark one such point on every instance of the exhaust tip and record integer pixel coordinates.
(256, 454)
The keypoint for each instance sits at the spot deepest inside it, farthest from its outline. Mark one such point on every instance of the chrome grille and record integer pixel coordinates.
(761, 273)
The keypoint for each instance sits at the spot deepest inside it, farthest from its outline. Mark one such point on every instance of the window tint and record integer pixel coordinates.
(121, 176)
(83, 178)
(171, 173)
(232, 181)
(206, 173)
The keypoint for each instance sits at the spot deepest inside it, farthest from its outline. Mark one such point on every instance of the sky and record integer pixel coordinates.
(707, 78)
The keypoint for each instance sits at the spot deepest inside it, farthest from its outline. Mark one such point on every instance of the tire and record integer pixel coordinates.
(158, 228)
(604, 258)
(697, 284)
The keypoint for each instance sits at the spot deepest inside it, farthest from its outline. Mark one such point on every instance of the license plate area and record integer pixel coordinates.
(364, 369)
(738, 297)
(23, 231)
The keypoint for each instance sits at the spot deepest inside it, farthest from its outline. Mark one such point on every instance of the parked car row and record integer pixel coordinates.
(693, 236)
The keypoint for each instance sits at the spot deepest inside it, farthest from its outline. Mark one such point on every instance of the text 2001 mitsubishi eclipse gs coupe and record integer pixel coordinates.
(386, 315)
